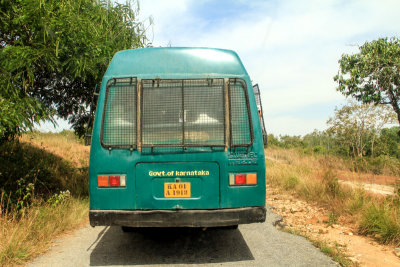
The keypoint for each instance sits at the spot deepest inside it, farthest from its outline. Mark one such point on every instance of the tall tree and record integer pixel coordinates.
(53, 53)
(359, 125)
(373, 74)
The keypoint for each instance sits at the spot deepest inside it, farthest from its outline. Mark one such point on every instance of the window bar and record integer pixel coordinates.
(230, 113)
(183, 115)
(139, 116)
(227, 113)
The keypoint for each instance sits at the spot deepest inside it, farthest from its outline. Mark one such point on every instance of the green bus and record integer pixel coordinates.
(176, 142)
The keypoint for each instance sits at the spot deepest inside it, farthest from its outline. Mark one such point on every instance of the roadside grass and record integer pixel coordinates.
(379, 165)
(64, 145)
(43, 192)
(335, 251)
(313, 178)
(28, 232)
(382, 221)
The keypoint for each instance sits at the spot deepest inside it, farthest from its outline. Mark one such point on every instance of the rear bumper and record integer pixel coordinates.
(177, 218)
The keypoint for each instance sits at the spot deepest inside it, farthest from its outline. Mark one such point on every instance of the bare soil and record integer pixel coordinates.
(368, 178)
(313, 221)
(373, 183)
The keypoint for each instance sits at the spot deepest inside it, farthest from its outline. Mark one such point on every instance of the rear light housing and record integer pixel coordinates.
(111, 181)
(240, 179)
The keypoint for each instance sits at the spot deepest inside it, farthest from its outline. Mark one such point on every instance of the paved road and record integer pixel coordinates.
(250, 245)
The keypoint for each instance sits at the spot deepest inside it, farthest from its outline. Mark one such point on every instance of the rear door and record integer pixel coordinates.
(178, 117)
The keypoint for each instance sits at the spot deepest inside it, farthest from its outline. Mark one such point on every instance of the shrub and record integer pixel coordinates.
(291, 182)
(381, 220)
(331, 183)
(320, 150)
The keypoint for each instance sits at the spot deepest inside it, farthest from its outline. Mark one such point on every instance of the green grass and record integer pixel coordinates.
(334, 251)
(381, 220)
(290, 182)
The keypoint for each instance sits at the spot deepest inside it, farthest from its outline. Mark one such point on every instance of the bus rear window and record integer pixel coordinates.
(175, 113)
(183, 113)
(119, 119)
(241, 130)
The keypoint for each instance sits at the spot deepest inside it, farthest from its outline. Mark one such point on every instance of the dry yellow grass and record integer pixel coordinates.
(29, 230)
(311, 161)
(314, 178)
(65, 145)
(27, 234)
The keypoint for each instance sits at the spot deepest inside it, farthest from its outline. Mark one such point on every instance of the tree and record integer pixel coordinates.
(358, 125)
(288, 141)
(388, 142)
(52, 55)
(317, 138)
(373, 74)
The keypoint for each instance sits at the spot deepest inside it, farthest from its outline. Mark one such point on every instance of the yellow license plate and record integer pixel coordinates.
(176, 190)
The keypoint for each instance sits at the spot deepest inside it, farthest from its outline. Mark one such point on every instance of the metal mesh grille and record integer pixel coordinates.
(239, 114)
(161, 116)
(183, 112)
(204, 111)
(119, 124)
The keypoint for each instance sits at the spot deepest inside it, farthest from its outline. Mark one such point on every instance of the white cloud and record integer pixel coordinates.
(290, 48)
(165, 15)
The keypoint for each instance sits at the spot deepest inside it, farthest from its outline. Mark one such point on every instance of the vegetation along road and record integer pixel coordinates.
(52, 58)
(249, 245)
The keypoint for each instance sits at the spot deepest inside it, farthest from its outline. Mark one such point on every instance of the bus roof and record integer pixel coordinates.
(169, 62)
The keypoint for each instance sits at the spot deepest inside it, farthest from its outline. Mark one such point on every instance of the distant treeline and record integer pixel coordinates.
(384, 143)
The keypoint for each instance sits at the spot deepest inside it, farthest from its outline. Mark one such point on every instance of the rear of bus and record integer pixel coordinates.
(176, 141)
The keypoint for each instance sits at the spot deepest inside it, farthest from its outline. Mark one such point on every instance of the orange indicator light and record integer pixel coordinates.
(251, 178)
(102, 181)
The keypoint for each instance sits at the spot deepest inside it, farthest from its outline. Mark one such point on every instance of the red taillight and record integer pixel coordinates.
(114, 181)
(240, 179)
(111, 181)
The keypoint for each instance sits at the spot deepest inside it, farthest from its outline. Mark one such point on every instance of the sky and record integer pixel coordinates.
(290, 48)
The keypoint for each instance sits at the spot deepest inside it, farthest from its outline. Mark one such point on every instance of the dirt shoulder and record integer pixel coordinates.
(368, 178)
(314, 221)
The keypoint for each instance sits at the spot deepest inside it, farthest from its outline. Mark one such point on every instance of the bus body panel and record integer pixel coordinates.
(143, 192)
